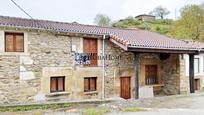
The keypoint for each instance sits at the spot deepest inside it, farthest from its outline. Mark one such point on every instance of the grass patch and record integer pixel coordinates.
(94, 111)
(33, 107)
(133, 109)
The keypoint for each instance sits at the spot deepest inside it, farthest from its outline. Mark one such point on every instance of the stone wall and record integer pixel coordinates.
(25, 77)
(121, 66)
(168, 72)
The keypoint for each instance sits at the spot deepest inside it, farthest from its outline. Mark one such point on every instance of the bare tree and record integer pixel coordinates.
(160, 11)
(102, 20)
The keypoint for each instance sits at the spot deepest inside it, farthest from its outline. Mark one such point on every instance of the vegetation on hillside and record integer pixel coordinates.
(190, 24)
(161, 26)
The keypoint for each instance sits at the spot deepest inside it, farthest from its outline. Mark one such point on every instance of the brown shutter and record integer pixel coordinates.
(86, 84)
(9, 43)
(19, 43)
(151, 74)
(93, 84)
(90, 46)
(61, 84)
(53, 85)
(94, 51)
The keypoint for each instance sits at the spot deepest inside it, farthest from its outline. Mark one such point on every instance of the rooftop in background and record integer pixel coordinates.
(133, 38)
(144, 15)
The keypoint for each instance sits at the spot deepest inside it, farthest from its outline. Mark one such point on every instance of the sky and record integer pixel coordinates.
(84, 11)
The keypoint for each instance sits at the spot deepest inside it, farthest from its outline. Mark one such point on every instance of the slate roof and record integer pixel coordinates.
(128, 37)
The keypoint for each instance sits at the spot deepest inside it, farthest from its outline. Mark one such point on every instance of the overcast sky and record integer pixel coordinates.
(84, 11)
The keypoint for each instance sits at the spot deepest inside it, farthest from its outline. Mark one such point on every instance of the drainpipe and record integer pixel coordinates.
(103, 79)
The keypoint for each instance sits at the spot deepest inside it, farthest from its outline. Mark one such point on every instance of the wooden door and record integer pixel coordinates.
(91, 48)
(197, 84)
(125, 87)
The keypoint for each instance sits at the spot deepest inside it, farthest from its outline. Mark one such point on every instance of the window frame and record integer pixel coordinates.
(156, 80)
(14, 34)
(56, 84)
(198, 66)
(89, 84)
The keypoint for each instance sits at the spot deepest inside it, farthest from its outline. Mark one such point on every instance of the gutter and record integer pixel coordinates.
(103, 64)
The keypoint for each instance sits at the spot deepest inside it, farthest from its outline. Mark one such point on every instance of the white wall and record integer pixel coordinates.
(201, 64)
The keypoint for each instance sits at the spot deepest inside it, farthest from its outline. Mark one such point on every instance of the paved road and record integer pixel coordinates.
(151, 112)
(164, 112)
(170, 105)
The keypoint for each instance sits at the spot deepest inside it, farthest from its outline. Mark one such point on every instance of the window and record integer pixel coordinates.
(196, 65)
(57, 84)
(90, 47)
(90, 84)
(151, 75)
(14, 42)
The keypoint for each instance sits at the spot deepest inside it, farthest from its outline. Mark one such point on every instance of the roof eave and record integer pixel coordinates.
(157, 50)
(124, 47)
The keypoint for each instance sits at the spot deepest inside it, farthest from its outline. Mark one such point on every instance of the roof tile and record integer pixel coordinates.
(129, 37)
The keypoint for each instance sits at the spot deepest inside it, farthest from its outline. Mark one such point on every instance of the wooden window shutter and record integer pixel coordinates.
(93, 84)
(90, 46)
(9, 43)
(151, 74)
(53, 86)
(86, 84)
(60, 83)
(19, 43)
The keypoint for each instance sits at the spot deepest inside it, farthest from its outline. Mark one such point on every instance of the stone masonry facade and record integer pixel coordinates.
(25, 77)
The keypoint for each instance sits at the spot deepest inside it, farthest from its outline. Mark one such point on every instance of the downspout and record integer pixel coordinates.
(103, 64)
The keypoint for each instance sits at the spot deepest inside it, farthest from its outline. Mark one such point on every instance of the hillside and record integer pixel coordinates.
(160, 26)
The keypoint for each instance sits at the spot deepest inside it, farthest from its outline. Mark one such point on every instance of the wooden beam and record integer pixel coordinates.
(191, 73)
(119, 44)
(137, 74)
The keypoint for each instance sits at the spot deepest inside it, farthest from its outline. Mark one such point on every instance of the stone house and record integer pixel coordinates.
(45, 61)
(145, 17)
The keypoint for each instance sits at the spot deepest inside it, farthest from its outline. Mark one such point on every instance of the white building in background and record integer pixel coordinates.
(198, 70)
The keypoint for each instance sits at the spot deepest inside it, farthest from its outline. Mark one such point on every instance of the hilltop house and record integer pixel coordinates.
(145, 17)
(42, 61)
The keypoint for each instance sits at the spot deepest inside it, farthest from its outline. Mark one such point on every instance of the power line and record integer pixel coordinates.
(21, 9)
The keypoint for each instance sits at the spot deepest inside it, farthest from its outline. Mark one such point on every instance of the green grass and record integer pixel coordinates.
(160, 26)
(33, 107)
(133, 109)
(94, 111)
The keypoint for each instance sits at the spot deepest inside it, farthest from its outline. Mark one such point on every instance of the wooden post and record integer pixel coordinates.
(137, 70)
(191, 72)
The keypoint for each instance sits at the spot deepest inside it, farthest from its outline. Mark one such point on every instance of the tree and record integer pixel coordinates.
(102, 20)
(160, 11)
(190, 25)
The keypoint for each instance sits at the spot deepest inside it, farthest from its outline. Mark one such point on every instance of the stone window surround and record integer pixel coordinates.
(149, 61)
(49, 72)
(2, 43)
